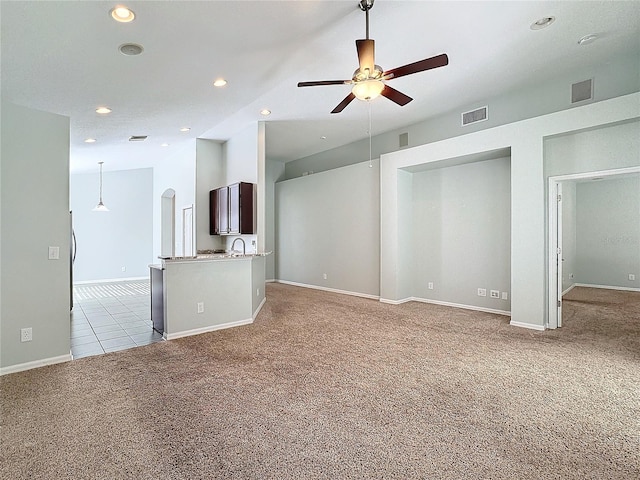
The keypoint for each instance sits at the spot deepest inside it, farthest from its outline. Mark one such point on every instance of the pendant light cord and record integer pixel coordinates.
(100, 182)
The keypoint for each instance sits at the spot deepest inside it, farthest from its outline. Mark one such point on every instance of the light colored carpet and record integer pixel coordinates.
(331, 386)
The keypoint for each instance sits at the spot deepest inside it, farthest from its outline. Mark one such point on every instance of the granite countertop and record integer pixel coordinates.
(214, 256)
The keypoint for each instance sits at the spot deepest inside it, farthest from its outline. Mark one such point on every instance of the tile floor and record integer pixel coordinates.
(107, 317)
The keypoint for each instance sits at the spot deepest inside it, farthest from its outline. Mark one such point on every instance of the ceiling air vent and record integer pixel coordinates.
(137, 138)
(582, 91)
(479, 115)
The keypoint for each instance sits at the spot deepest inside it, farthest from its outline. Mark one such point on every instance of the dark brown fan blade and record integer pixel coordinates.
(395, 96)
(323, 82)
(366, 54)
(344, 103)
(421, 66)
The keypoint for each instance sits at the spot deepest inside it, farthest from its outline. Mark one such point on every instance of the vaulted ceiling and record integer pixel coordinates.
(64, 57)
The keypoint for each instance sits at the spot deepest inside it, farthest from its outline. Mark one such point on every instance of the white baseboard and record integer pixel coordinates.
(270, 280)
(212, 328)
(35, 364)
(255, 314)
(607, 287)
(327, 289)
(573, 285)
(460, 305)
(396, 302)
(110, 280)
(531, 326)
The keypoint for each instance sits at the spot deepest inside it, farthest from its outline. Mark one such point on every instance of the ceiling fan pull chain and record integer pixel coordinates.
(370, 165)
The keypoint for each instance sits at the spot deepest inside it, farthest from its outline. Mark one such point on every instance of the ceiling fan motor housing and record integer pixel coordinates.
(365, 5)
(360, 76)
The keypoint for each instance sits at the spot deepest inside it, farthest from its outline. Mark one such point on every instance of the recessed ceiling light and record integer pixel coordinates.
(103, 110)
(323, 137)
(542, 23)
(122, 14)
(265, 112)
(164, 144)
(587, 39)
(221, 82)
(185, 129)
(90, 140)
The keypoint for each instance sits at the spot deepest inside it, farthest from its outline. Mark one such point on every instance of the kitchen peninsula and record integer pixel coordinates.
(192, 295)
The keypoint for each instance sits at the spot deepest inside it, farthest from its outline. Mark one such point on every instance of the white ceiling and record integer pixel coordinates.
(63, 57)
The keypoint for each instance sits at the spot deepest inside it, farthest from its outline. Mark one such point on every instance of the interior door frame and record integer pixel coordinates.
(554, 279)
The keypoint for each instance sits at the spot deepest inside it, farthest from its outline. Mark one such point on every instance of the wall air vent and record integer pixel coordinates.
(137, 138)
(582, 91)
(403, 140)
(474, 116)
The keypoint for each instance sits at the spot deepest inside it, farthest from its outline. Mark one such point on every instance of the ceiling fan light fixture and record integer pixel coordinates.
(368, 89)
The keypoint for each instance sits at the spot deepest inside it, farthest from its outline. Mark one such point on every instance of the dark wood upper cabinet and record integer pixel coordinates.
(223, 210)
(232, 210)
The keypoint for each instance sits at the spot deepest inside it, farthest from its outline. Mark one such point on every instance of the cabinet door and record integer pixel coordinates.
(214, 218)
(247, 218)
(223, 210)
(234, 209)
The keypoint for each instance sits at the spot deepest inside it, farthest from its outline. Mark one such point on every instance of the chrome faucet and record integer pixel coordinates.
(243, 246)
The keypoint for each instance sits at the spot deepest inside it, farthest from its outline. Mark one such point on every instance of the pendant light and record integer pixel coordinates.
(100, 207)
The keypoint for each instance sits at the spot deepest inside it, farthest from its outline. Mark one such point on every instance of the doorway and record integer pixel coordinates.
(557, 250)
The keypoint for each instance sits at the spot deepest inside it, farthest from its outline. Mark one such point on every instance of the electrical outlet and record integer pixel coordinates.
(505, 295)
(482, 292)
(54, 253)
(124, 269)
(324, 275)
(200, 307)
(632, 277)
(495, 294)
(430, 286)
(26, 334)
(571, 275)
(257, 292)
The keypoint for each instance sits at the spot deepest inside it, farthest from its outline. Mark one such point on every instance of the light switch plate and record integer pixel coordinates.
(54, 253)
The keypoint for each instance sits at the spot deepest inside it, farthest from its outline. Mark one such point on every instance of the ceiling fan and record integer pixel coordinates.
(368, 79)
